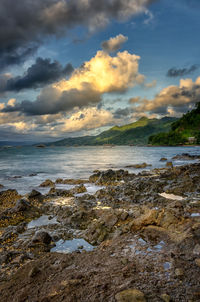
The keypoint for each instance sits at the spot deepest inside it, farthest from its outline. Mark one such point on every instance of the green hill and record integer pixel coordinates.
(186, 130)
(135, 133)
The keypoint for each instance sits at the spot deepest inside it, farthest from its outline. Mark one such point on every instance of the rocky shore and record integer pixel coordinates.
(134, 238)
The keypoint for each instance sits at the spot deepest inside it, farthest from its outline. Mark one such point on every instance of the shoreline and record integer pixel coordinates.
(139, 239)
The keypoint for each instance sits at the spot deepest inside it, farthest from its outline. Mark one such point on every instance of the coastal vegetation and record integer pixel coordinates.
(186, 130)
(136, 133)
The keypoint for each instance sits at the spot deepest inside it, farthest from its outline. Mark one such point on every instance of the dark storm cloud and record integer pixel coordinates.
(180, 72)
(25, 23)
(14, 56)
(41, 73)
(50, 102)
(120, 113)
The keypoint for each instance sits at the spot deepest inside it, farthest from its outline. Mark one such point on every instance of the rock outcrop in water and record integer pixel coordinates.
(146, 244)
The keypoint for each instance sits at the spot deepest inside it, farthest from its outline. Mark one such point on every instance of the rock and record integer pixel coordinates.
(60, 192)
(186, 156)
(130, 295)
(139, 166)
(47, 183)
(79, 189)
(21, 206)
(42, 237)
(74, 181)
(196, 250)
(34, 194)
(179, 272)
(33, 272)
(124, 216)
(148, 218)
(1, 186)
(163, 159)
(169, 164)
(108, 177)
(197, 261)
(59, 181)
(109, 219)
(165, 298)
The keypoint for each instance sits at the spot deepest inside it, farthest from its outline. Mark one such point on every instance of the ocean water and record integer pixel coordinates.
(25, 168)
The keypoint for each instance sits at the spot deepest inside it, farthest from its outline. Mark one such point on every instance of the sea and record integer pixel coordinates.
(25, 168)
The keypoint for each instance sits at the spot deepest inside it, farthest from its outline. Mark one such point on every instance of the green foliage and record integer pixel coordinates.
(135, 133)
(181, 130)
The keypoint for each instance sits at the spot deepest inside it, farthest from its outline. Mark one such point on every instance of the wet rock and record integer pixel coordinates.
(165, 298)
(1, 186)
(47, 183)
(130, 295)
(32, 174)
(139, 166)
(169, 164)
(42, 237)
(21, 206)
(34, 194)
(60, 192)
(59, 181)
(197, 261)
(186, 156)
(74, 181)
(108, 177)
(79, 189)
(163, 159)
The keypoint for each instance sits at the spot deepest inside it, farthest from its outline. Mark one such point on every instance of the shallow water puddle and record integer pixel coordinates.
(42, 221)
(70, 246)
(171, 196)
(195, 215)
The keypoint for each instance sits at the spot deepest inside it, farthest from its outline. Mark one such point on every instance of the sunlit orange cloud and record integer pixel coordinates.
(87, 119)
(105, 73)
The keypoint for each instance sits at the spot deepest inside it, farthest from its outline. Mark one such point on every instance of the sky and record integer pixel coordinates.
(77, 67)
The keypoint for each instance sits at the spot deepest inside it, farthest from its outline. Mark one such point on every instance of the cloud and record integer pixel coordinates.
(114, 44)
(88, 119)
(102, 74)
(150, 85)
(25, 24)
(180, 72)
(41, 73)
(122, 113)
(172, 99)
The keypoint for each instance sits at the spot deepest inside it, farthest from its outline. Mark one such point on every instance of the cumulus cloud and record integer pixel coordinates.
(114, 44)
(41, 73)
(102, 74)
(171, 100)
(180, 72)
(27, 22)
(87, 119)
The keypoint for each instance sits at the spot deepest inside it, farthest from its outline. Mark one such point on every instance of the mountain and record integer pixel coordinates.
(186, 130)
(136, 133)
